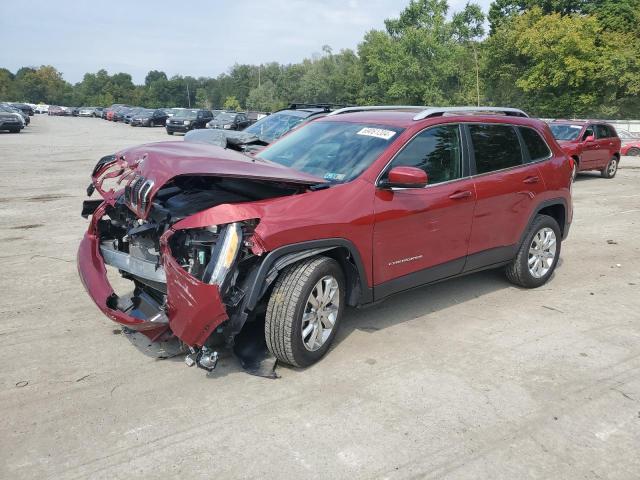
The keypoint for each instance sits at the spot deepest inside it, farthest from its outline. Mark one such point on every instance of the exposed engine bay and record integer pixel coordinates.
(133, 246)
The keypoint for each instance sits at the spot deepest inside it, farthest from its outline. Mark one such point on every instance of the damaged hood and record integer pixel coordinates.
(141, 171)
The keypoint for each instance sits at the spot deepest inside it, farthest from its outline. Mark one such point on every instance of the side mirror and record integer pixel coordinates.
(590, 138)
(405, 177)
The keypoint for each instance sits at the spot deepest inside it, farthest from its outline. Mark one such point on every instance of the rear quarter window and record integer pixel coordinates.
(535, 144)
(495, 147)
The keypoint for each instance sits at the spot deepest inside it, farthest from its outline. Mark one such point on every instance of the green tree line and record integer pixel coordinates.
(555, 58)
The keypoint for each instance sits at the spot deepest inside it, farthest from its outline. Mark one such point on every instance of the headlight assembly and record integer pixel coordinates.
(187, 122)
(224, 254)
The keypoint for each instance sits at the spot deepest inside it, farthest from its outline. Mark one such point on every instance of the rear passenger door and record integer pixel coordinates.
(507, 181)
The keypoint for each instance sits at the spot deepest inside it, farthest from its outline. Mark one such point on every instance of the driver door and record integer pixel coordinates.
(590, 149)
(422, 234)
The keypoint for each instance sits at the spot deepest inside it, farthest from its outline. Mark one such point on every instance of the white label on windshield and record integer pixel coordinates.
(377, 132)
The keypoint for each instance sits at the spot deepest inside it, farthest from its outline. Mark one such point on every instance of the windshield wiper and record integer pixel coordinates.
(320, 186)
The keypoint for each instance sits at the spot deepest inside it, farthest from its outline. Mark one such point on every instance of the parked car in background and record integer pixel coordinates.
(11, 121)
(263, 132)
(128, 114)
(630, 143)
(24, 107)
(55, 110)
(86, 112)
(229, 121)
(10, 108)
(148, 117)
(111, 111)
(344, 211)
(592, 145)
(185, 120)
(97, 112)
(42, 108)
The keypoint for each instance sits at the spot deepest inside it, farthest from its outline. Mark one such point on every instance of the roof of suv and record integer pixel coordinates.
(407, 116)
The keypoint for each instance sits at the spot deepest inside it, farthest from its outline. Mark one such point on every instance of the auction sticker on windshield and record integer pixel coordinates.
(377, 132)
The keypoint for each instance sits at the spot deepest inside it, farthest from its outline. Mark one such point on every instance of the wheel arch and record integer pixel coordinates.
(555, 208)
(340, 249)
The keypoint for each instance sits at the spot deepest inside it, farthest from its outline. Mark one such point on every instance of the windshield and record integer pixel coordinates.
(335, 151)
(186, 114)
(565, 132)
(272, 127)
(225, 117)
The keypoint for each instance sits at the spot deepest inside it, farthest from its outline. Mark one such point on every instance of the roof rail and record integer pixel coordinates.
(441, 111)
(370, 108)
(325, 106)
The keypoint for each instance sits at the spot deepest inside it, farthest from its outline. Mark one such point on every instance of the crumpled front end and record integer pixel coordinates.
(166, 299)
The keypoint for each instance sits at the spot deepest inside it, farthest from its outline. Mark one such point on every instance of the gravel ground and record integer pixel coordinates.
(471, 378)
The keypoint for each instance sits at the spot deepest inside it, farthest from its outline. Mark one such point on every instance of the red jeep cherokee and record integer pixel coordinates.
(344, 211)
(591, 145)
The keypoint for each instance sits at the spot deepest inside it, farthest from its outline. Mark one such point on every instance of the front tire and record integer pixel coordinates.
(304, 311)
(538, 255)
(611, 169)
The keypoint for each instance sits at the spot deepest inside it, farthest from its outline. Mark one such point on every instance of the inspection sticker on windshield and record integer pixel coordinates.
(377, 132)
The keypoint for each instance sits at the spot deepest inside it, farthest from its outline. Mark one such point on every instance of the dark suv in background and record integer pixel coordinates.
(229, 121)
(149, 118)
(188, 119)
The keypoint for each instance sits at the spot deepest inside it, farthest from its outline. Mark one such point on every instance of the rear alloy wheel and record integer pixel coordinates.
(611, 169)
(304, 311)
(538, 255)
(634, 152)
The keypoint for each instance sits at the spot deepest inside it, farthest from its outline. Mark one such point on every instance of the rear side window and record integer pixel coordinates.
(495, 147)
(537, 147)
(436, 151)
(602, 131)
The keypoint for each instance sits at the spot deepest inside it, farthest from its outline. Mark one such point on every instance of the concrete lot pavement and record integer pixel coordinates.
(471, 378)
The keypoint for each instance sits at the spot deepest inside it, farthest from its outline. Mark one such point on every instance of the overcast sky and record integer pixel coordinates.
(194, 37)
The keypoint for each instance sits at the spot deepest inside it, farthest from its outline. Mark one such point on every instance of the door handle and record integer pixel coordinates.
(460, 195)
(531, 180)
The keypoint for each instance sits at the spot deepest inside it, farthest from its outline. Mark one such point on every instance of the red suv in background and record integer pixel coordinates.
(592, 145)
(344, 211)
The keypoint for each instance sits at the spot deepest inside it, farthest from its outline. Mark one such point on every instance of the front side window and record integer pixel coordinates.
(335, 151)
(589, 132)
(537, 147)
(495, 147)
(437, 151)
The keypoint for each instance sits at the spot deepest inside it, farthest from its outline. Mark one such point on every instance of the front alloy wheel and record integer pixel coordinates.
(304, 311)
(320, 313)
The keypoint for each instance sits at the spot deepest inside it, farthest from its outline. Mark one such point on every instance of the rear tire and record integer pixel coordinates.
(304, 311)
(170, 133)
(611, 169)
(634, 152)
(538, 255)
